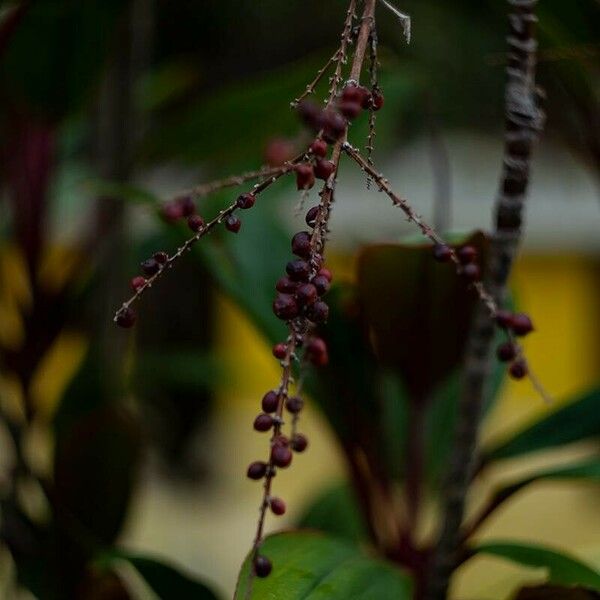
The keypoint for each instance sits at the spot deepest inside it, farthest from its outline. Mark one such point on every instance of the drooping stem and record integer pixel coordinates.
(523, 123)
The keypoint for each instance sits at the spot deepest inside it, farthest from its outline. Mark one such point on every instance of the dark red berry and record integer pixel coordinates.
(305, 176)
(442, 253)
(322, 284)
(294, 404)
(299, 442)
(286, 286)
(233, 224)
(518, 369)
(281, 440)
(311, 115)
(311, 216)
(263, 422)
(318, 312)
(355, 93)
(279, 351)
(187, 206)
(504, 319)
(319, 148)
(257, 470)
(506, 352)
(334, 126)
(195, 223)
(377, 100)
(306, 294)
(521, 324)
(350, 110)
(285, 307)
(325, 273)
(171, 212)
(270, 402)
(324, 169)
(137, 283)
(316, 352)
(281, 456)
(298, 270)
(472, 272)
(277, 506)
(126, 317)
(466, 254)
(150, 267)
(278, 151)
(160, 257)
(301, 244)
(246, 200)
(262, 566)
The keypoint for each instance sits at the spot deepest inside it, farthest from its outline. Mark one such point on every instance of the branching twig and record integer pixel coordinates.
(523, 123)
(310, 88)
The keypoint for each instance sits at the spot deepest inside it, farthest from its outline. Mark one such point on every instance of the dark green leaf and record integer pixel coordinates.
(336, 512)
(578, 420)
(556, 592)
(309, 565)
(562, 568)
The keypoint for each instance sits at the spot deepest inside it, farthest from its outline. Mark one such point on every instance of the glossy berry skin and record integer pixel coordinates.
(232, 223)
(298, 270)
(281, 456)
(246, 200)
(270, 402)
(377, 100)
(306, 294)
(187, 206)
(171, 212)
(322, 284)
(442, 253)
(286, 286)
(325, 273)
(285, 307)
(277, 506)
(263, 422)
(324, 169)
(301, 244)
(279, 351)
(311, 115)
(521, 324)
(160, 257)
(503, 319)
(355, 93)
(518, 369)
(257, 470)
(506, 352)
(316, 350)
(294, 404)
(311, 216)
(299, 443)
(262, 566)
(466, 255)
(319, 148)
(471, 272)
(305, 176)
(195, 223)
(150, 267)
(137, 283)
(319, 312)
(350, 110)
(334, 126)
(126, 317)
(281, 440)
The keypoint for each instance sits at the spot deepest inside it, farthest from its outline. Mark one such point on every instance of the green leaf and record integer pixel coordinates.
(556, 592)
(166, 581)
(336, 512)
(578, 420)
(315, 567)
(562, 568)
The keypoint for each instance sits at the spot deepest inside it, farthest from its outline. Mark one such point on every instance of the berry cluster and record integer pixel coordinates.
(520, 324)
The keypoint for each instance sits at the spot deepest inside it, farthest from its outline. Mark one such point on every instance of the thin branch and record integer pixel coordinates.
(342, 57)
(524, 121)
(310, 88)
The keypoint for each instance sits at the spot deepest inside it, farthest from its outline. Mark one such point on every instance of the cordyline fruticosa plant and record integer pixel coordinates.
(481, 267)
